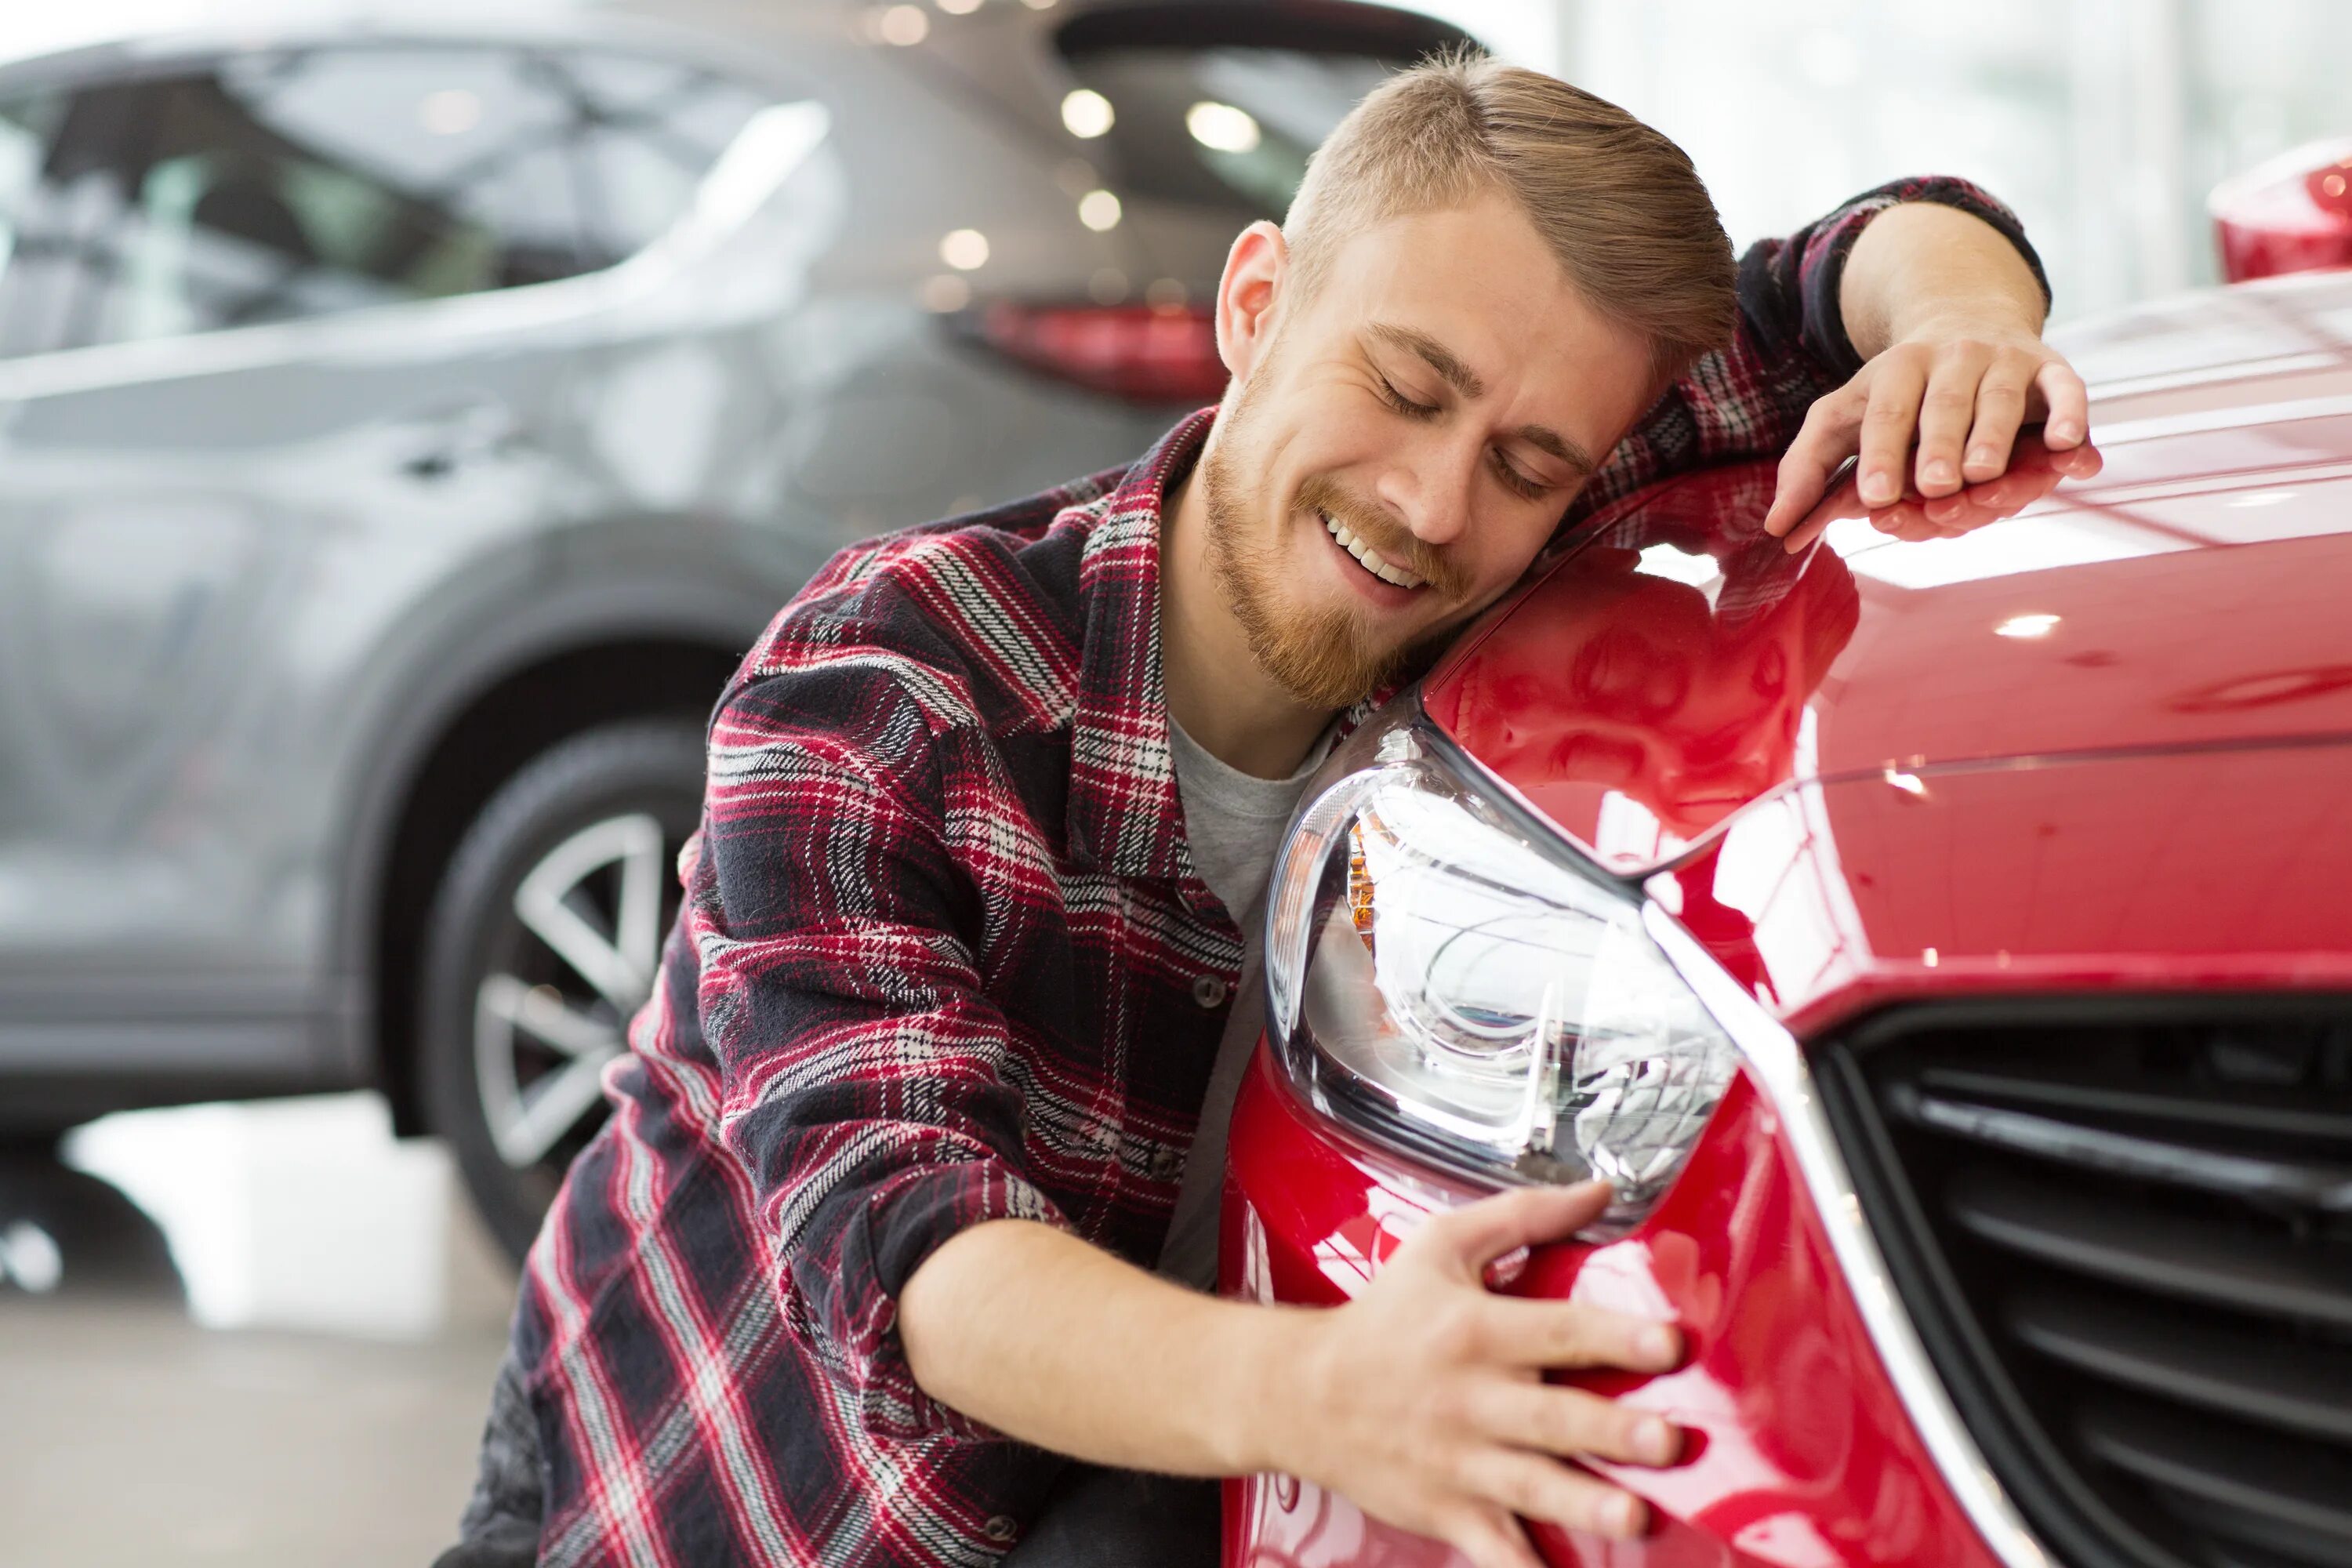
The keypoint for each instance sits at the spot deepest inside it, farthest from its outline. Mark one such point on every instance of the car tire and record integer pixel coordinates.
(543, 942)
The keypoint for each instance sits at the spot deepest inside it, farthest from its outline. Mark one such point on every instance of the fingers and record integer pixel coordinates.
(1572, 1423)
(1945, 411)
(1518, 1331)
(1824, 441)
(2000, 410)
(1472, 1237)
(1887, 424)
(2068, 421)
(1535, 1487)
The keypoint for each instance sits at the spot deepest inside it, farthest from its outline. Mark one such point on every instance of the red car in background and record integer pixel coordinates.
(1941, 935)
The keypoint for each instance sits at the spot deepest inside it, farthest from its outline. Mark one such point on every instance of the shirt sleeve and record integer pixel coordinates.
(1789, 346)
(869, 1087)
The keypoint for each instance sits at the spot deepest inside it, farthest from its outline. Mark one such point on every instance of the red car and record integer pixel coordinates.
(1941, 935)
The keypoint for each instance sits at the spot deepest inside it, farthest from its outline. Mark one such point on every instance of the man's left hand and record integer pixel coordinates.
(1960, 390)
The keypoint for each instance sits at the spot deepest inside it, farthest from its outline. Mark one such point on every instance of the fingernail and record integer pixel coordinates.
(1658, 1344)
(2063, 430)
(1622, 1515)
(1655, 1441)
(1982, 457)
(1939, 472)
(1878, 490)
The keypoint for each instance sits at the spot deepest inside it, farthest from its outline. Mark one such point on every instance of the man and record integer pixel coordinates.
(868, 1246)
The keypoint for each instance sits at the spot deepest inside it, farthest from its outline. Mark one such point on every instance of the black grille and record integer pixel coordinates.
(2126, 1235)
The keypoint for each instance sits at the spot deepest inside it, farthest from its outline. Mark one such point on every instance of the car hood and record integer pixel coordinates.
(1679, 666)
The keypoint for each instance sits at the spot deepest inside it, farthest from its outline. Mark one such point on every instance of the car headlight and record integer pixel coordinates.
(1449, 979)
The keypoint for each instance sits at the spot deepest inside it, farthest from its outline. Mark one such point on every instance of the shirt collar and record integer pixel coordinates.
(1124, 816)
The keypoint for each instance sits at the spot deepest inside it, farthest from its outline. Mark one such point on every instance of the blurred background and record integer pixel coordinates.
(407, 415)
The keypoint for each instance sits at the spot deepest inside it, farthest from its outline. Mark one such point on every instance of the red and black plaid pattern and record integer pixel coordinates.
(938, 962)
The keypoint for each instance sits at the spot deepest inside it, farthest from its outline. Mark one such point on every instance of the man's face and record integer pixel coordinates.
(1439, 396)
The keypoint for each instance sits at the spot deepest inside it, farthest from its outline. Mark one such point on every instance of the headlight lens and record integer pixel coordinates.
(1450, 982)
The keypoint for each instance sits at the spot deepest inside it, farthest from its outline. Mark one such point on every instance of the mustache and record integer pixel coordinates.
(1373, 525)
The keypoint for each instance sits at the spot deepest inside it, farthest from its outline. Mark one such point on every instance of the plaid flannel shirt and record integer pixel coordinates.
(943, 958)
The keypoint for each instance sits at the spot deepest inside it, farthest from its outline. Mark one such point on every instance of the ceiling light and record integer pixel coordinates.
(1907, 782)
(1098, 210)
(1221, 127)
(1086, 113)
(903, 25)
(2025, 626)
(965, 250)
(958, 8)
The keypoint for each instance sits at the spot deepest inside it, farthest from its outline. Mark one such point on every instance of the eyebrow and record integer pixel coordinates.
(1464, 380)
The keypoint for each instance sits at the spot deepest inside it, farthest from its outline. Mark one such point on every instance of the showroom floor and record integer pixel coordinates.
(277, 1351)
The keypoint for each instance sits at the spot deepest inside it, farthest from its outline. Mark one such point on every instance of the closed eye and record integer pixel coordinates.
(1523, 485)
(1403, 404)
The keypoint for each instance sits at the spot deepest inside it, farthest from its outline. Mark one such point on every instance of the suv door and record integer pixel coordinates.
(251, 427)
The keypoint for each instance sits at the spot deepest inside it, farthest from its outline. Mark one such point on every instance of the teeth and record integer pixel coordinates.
(1372, 560)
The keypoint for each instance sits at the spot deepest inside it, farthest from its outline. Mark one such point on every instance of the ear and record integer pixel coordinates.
(1247, 295)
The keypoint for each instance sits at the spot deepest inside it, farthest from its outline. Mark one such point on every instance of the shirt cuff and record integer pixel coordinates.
(841, 1299)
(1822, 266)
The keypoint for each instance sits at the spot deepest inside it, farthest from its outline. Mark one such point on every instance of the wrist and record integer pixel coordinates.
(1275, 1403)
(1992, 320)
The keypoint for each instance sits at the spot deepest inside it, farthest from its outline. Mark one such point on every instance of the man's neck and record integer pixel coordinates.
(1216, 690)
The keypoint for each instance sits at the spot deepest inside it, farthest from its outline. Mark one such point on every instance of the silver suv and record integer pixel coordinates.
(404, 430)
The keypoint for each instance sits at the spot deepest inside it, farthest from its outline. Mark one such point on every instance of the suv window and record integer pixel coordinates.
(273, 187)
(1219, 104)
(648, 131)
(47, 200)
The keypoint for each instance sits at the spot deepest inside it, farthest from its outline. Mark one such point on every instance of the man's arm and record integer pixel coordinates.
(1422, 1400)
(1946, 314)
(869, 1086)
(1818, 312)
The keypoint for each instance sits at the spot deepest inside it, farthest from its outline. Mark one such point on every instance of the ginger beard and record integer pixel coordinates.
(1329, 654)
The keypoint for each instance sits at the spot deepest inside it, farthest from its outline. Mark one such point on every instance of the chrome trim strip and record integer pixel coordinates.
(1778, 1064)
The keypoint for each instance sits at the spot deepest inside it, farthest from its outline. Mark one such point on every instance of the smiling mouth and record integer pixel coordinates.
(1369, 559)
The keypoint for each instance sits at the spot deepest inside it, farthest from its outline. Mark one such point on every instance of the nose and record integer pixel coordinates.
(1429, 483)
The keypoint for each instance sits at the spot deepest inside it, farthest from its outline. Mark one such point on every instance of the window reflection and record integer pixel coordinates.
(276, 187)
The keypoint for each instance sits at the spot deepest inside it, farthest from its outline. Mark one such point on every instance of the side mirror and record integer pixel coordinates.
(2292, 214)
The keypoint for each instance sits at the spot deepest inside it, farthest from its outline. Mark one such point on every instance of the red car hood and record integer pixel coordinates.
(2101, 727)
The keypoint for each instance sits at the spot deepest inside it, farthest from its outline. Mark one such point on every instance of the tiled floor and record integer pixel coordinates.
(291, 1368)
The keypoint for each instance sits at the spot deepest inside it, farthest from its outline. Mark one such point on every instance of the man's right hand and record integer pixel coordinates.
(1423, 1399)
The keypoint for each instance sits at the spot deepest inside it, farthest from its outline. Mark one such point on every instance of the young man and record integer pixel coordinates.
(936, 1074)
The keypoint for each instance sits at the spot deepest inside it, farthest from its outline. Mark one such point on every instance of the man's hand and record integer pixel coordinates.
(2034, 470)
(1423, 1400)
(1949, 318)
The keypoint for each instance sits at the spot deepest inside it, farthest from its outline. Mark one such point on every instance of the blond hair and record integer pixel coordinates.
(1616, 202)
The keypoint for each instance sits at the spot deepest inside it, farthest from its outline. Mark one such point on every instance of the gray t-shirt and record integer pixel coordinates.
(1232, 824)
(1233, 820)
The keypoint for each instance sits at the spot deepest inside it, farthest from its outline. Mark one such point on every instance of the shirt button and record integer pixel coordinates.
(999, 1528)
(1208, 991)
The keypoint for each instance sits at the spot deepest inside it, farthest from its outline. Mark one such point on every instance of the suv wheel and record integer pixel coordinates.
(543, 940)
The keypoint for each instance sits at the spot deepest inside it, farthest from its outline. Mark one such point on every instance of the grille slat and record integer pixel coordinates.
(2193, 1261)
(2247, 1376)
(2269, 1495)
(2300, 1183)
(2124, 1232)
(2269, 1117)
